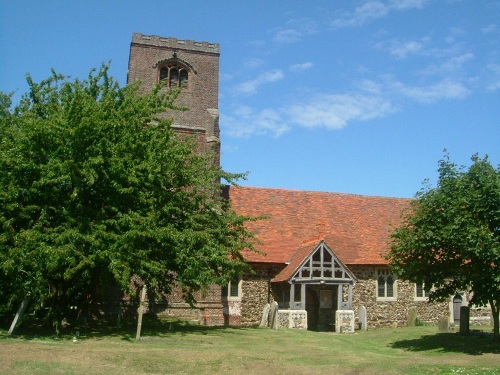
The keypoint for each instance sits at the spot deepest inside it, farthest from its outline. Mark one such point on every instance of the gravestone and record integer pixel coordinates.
(464, 319)
(363, 319)
(444, 324)
(265, 316)
(412, 316)
(274, 315)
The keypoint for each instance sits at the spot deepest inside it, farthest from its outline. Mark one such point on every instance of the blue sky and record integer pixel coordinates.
(344, 96)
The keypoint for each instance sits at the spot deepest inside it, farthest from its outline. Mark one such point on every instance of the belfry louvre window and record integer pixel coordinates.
(173, 76)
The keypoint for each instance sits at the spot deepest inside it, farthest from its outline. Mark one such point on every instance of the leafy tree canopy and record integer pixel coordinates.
(450, 239)
(97, 188)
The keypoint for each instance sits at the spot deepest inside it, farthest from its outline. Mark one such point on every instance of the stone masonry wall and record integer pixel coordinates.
(256, 288)
(390, 313)
(257, 291)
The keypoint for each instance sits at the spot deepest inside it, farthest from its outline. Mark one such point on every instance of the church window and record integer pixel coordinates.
(386, 285)
(233, 289)
(163, 73)
(421, 291)
(173, 76)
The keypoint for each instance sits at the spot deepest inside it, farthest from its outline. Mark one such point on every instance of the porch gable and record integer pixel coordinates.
(318, 265)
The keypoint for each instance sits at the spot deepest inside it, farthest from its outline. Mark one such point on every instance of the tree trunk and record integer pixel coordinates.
(141, 312)
(19, 315)
(495, 305)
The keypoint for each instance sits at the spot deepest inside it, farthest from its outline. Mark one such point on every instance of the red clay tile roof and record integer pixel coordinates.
(355, 227)
(295, 261)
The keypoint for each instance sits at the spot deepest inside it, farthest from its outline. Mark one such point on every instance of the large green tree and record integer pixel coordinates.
(95, 189)
(450, 238)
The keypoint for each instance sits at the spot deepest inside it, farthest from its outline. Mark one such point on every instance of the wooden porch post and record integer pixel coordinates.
(292, 295)
(350, 296)
(340, 297)
(302, 296)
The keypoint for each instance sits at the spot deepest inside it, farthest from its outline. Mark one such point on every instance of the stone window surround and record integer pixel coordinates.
(386, 273)
(425, 293)
(226, 290)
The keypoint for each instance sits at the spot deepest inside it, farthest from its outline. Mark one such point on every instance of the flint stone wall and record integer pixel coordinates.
(257, 292)
(391, 313)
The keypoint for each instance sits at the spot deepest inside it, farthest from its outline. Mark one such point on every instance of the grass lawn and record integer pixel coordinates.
(174, 348)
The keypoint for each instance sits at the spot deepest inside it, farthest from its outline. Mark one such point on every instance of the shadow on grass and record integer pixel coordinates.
(153, 328)
(474, 343)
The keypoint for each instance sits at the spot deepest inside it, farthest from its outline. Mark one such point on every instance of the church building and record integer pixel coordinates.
(321, 254)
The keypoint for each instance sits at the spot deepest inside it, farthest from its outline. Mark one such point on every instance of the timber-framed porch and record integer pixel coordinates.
(318, 282)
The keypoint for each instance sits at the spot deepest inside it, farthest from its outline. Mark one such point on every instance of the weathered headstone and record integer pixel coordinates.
(274, 315)
(444, 324)
(265, 316)
(363, 319)
(464, 319)
(412, 316)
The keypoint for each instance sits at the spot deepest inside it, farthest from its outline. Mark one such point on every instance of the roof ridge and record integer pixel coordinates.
(320, 192)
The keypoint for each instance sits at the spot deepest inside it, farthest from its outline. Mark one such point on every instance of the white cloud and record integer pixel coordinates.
(402, 49)
(494, 83)
(371, 10)
(251, 86)
(323, 111)
(424, 46)
(367, 11)
(373, 100)
(335, 111)
(446, 89)
(489, 29)
(301, 67)
(287, 36)
(370, 86)
(297, 29)
(408, 4)
(246, 122)
(456, 62)
(253, 63)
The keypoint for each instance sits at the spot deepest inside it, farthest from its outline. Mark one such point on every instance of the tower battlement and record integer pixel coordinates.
(174, 43)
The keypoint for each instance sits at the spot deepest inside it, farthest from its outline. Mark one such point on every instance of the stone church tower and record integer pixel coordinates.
(191, 66)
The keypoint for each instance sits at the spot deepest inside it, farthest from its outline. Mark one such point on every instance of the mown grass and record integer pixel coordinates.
(178, 348)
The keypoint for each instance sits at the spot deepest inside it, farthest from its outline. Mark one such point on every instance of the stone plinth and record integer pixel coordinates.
(344, 321)
(292, 319)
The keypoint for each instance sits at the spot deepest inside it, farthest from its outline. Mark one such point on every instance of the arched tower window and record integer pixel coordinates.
(173, 75)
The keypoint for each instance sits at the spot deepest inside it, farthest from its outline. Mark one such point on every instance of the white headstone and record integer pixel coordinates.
(265, 316)
(274, 315)
(363, 319)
